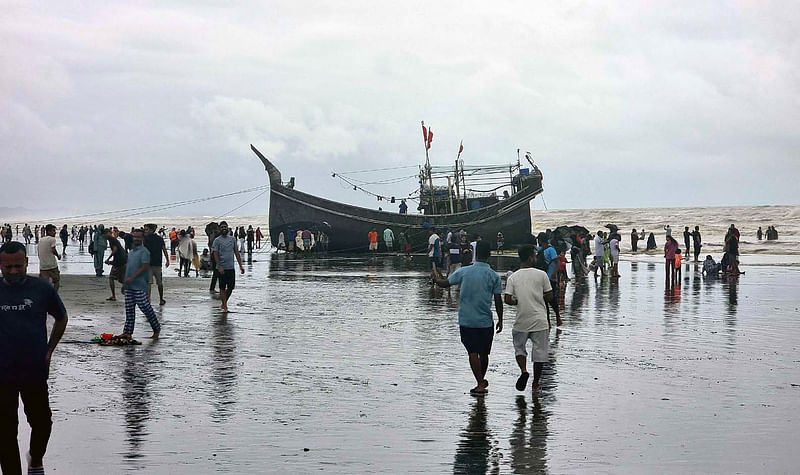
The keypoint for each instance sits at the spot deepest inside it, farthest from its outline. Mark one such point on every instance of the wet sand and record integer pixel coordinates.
(359, 361)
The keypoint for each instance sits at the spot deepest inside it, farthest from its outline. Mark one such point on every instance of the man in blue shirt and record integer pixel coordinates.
(25, 354)
(551, 259)
(479, 285)
(137, 276)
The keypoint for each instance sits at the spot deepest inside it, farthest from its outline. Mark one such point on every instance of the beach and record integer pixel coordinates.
(354, 365)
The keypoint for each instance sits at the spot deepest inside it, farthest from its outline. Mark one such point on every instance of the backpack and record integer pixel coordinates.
(540, 263)
(91, 248)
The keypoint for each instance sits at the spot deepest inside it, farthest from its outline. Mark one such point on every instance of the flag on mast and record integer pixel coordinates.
(430, 138)
(461, 147)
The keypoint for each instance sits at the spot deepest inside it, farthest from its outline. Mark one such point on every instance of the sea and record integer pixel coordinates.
(713, 223)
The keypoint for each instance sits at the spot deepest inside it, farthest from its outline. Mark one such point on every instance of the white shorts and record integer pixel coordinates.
(373, 246)
(541, 344)
(615, 259)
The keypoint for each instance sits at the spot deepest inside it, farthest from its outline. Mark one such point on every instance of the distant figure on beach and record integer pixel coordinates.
(281, 241)
(25, 355)
(64, 235)
(597, 261)
(251, 239)
(634, 240)
(298, 242)
(454, 252)
(184, 254)
(759, 233)
(669, 255)
(402, 241)
(117, 260)
(530, 289)
(205, 260)
(551, 261)
(479, 285)
(642, 235)
(224, 249)
(698, 242)
(259, 236)
(730, 258)
(687, 235)
(173, 241)
(241, 235)
(135, 288)
(26, 233)
(156, 247)
(651, 242)
(710, 268)
(372, 237)
(677, 269)
(772, 233)
(434, 248)
(48, 257)
(388, 238)
(500, 242)
(668, 230)
(100, 245)
(613, 249)
(403, 207)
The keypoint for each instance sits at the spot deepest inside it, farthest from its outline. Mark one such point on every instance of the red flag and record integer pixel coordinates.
(430, 138)
(461, 147)
(424, 135)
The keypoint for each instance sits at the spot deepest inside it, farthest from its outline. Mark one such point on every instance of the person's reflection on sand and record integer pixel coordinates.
(529, 449)
(474, 453)
(578, 303)
(137, 375)
(223, 369)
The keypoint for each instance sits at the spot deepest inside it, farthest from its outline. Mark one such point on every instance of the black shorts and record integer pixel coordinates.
(227, 280)
(477, 340)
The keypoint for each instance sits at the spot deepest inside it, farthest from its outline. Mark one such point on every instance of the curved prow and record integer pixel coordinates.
(274, 173)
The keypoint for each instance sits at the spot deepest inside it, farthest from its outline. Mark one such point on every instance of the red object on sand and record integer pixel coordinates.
(107, 336)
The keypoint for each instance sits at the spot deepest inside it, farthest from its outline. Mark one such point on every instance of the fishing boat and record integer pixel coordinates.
(502, 207)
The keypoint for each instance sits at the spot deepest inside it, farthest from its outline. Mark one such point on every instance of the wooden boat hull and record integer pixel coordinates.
(347, 226)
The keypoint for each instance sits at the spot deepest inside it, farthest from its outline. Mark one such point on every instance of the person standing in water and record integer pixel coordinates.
(479, 285)
(25, 354)
(529, 289)
(137, 274)
(100, 243)
(157, 247)
(224, 250)
(64, 235)
(698, 242)
(686, 239)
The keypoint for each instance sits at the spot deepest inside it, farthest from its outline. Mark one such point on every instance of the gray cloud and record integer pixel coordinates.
(622, 105)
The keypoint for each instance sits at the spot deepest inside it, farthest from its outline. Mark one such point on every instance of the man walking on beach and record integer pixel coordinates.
(48, 255)
(599, 252)
(224, 250)
(25, 355)
(135, 287)
(117, 260)
(529, 288)
(479, 285)
(156, 247)
(100, 245)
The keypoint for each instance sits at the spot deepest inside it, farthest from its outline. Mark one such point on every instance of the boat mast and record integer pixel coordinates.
(426, 143)
(458, 194)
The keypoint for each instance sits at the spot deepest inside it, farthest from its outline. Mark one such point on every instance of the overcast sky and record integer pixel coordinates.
(108, 105)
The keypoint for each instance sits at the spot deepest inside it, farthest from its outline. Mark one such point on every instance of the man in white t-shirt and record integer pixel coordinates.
(613, 247)
(48, 255)
(528, 289)
(434, 248)
(599, 252)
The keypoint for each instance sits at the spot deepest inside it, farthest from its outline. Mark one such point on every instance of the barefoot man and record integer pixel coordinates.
(137, 274)
(529, 288)
(479, 285)
(224, 247)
